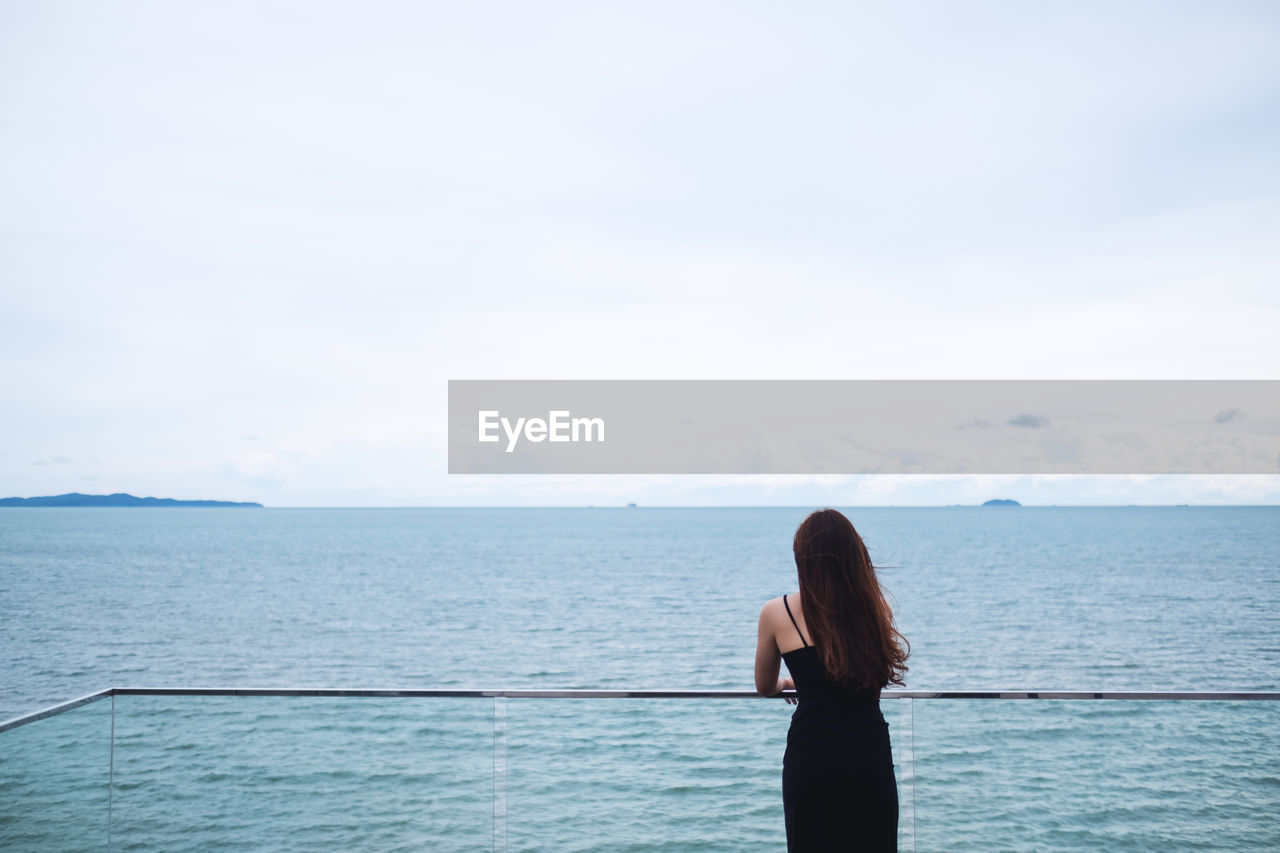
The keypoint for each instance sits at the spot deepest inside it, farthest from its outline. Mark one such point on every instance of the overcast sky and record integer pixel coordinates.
(246, 244)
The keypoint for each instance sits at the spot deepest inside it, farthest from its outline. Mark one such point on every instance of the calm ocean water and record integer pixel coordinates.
(1048, 598)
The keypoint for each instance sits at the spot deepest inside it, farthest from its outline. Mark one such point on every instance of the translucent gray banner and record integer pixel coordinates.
(864, 427)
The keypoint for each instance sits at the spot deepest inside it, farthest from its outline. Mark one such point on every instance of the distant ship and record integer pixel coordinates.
(631, 506)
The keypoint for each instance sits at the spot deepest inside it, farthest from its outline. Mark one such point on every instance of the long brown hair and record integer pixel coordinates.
(845, 609)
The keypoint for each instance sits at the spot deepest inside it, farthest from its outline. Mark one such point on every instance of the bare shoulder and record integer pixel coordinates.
(772, 608)
(791, 598)
(775, 608)
(768, 614)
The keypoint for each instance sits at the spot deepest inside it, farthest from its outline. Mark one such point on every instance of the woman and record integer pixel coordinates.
(841, 647)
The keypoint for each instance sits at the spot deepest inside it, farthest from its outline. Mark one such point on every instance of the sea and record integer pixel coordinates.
(1034, 598)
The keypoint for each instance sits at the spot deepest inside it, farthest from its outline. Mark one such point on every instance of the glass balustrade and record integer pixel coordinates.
(297, 772)
(548, 770)
(55, 776)
(1097, 775)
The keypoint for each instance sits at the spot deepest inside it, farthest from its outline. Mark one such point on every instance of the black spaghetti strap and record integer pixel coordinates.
(793, 621)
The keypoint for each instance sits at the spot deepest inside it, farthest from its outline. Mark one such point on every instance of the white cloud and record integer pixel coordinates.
(299, 222)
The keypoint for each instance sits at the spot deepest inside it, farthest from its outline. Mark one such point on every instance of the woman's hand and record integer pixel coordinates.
(787, 684)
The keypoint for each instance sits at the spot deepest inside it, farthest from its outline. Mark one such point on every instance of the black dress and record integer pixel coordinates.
(838, 787)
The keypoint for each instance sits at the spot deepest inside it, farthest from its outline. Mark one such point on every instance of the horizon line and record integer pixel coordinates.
(681, 506)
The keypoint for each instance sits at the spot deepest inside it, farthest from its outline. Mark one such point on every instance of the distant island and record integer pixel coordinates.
(118, 499)
(1001, 502)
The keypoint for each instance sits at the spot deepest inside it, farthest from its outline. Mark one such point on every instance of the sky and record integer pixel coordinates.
(246, 245)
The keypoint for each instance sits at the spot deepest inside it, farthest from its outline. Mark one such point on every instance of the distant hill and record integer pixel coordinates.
(118, 499)
(1001, 502)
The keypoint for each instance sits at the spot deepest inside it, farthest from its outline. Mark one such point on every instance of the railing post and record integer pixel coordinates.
(111, 769)
(907, 784)
(499, 774)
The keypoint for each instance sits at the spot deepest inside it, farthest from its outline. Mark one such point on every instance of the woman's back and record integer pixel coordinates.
(825, 705)
(838, 785)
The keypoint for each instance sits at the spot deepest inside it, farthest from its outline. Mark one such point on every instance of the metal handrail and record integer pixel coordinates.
(413, 693)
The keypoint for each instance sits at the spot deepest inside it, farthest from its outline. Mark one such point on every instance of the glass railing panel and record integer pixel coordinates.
(54, 775)
(194, 772)
(649, 774)
(1097, 775)
(269, 773)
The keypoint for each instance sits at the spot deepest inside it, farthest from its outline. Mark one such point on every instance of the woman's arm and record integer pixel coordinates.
(768, 660)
